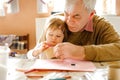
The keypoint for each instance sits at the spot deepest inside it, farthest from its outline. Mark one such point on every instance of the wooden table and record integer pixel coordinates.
(13, 64)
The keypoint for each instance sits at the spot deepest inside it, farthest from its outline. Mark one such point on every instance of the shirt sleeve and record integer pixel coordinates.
(106, 42)
(30, 52)
(107, 52)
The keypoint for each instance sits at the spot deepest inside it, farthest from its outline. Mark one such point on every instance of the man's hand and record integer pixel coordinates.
(68, 50)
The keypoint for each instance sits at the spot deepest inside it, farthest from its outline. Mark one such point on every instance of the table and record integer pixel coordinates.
(99, 74)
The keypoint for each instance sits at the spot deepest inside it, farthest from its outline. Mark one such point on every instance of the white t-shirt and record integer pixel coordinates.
(47, 54)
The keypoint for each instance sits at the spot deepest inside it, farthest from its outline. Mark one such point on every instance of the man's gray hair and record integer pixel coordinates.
(89, 4)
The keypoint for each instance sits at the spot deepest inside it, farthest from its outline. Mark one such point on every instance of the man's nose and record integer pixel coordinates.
(69, 19)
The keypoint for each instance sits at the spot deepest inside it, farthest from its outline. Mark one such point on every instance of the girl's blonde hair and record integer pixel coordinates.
(54, 23)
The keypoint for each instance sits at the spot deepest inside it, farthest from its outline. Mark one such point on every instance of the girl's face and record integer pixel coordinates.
(54, 36)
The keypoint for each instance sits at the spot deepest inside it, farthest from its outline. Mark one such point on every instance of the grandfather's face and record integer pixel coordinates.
(76, 16)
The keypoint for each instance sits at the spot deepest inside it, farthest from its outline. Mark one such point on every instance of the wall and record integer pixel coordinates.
(22, 22)
(118, 7)
(114, 20)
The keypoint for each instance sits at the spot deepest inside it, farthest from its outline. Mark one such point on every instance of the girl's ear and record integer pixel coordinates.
(92, 14)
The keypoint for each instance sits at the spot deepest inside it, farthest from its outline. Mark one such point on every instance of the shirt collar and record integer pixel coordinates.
(89, 26)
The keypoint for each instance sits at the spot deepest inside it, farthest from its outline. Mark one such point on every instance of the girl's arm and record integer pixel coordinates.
(40, 47)
(30, 53)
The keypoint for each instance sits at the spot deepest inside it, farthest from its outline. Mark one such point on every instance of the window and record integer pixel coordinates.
(2, 11)
(42, 6)
(55, 5)
(58, 5)
(12, 6)
(105, 7)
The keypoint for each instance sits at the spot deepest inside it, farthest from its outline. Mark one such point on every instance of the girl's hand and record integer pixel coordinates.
(44, 46)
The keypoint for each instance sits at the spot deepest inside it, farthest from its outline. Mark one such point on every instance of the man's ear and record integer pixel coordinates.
(92, 14)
